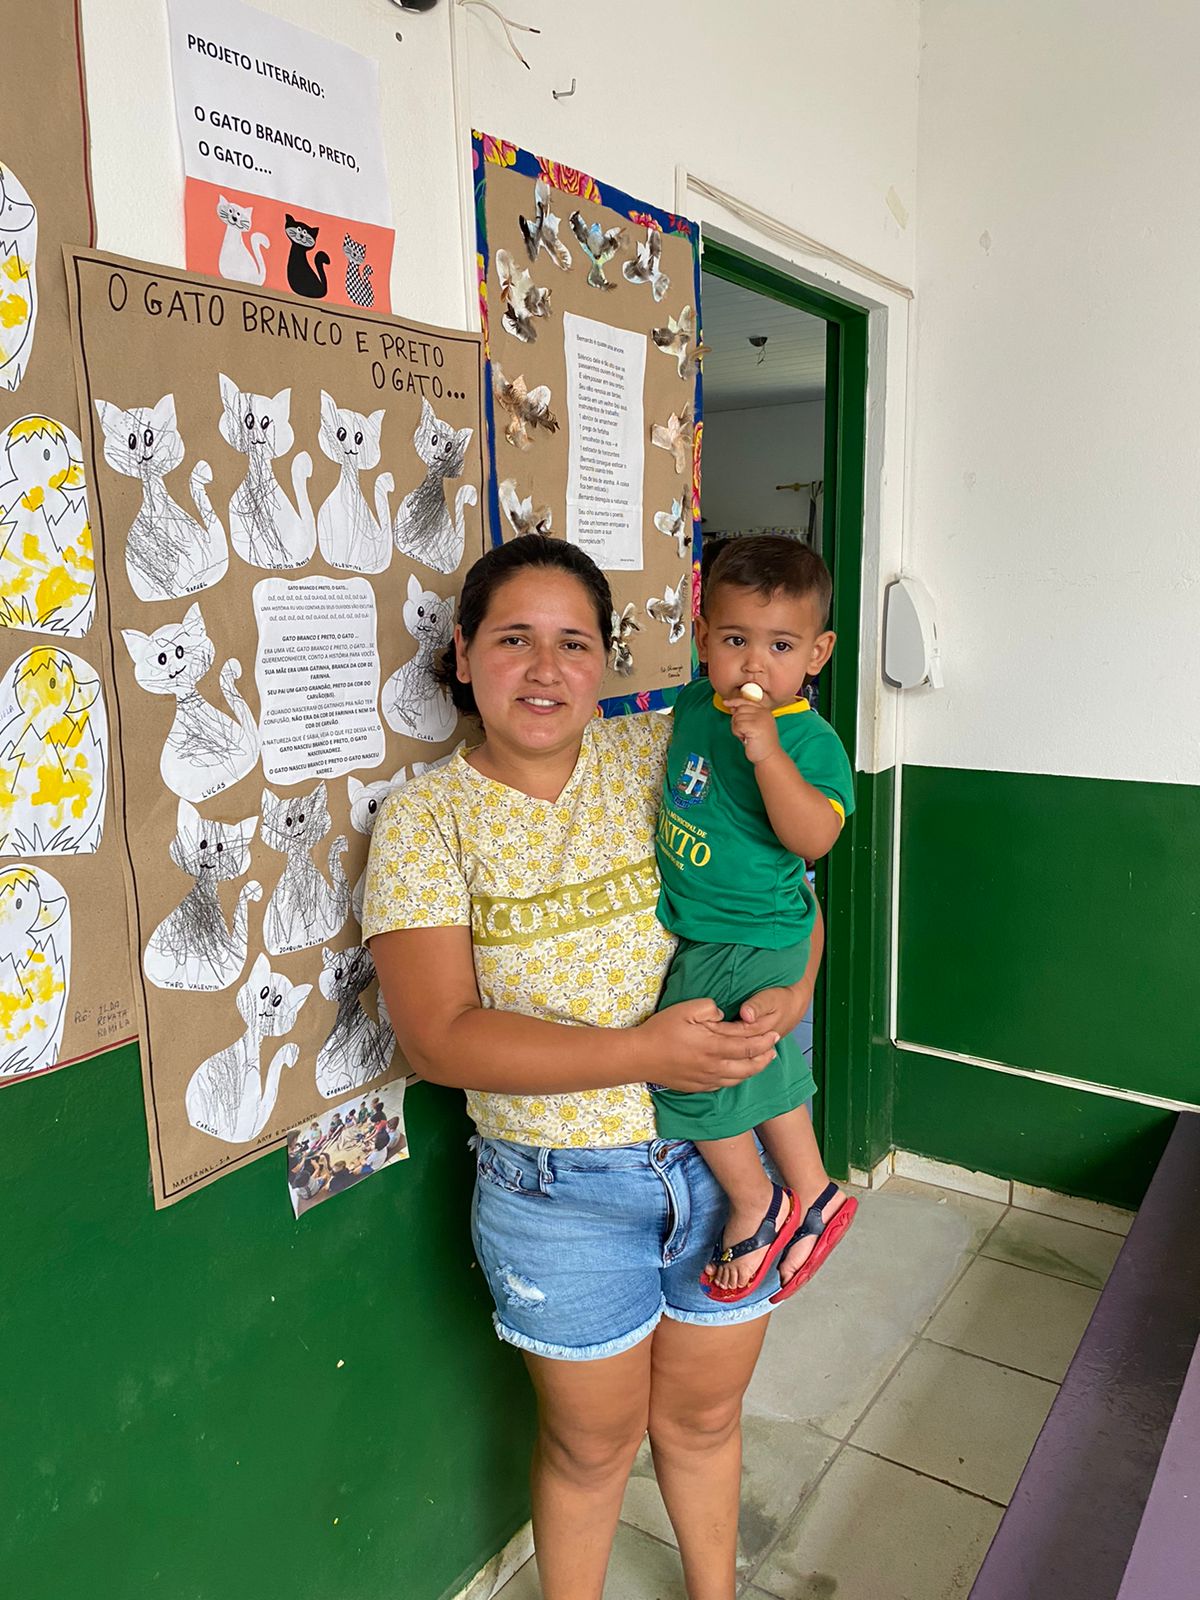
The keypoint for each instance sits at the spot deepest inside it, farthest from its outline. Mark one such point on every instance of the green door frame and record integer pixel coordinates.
(853, 1113)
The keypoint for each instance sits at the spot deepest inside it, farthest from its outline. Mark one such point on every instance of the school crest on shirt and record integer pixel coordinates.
(691, 785)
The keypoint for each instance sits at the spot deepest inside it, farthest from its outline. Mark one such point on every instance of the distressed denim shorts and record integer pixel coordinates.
(584, 1250)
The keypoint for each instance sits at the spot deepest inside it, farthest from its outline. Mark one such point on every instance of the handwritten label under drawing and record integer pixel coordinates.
(317, 672)
(606, 369)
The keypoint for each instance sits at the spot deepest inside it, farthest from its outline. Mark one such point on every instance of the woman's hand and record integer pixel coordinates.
(688, 1047)
(778, 1010)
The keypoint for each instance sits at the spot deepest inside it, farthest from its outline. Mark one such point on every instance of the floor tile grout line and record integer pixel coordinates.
(948, 1483)
(787, 1522)
(1007, 1365)
(1042, 1273)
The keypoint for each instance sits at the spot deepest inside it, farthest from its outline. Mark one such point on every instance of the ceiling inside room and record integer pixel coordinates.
(792, 369)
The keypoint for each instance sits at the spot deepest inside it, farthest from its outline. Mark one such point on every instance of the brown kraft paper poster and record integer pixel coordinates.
(610, 398)
(286, 498)
(65, 985)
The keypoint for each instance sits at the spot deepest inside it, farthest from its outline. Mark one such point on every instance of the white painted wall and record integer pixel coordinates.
(803, 109)
(1056, 481)
(746, 453)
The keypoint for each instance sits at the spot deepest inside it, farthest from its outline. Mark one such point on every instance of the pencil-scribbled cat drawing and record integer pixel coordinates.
(194, 947)
(265, 528)
(205, 750)
(304, 909)
(239, 261)
(18, 278)
(360, 291)
(424, 528)
(168, 554)
(365, 801)
(413, 701)
(226, 1096)
(350, 536)
(358, 1048)
(305, 277)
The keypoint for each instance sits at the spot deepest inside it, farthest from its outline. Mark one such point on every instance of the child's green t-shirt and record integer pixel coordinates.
(726, 878)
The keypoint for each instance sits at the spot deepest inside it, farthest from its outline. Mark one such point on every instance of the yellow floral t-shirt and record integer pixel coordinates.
(560, 897)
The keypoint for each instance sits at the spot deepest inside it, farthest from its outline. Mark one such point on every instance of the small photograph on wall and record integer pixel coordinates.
(340, 1148)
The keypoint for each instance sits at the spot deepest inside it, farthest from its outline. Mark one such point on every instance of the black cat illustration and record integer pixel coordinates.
(304, 276)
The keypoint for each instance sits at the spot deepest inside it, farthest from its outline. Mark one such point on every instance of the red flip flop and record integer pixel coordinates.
(774, 1242)
(828, 1235)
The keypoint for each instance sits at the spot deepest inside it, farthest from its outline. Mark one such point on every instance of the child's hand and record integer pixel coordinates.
(755, 727)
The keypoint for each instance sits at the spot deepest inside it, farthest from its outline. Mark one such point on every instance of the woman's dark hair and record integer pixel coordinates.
(492, 571)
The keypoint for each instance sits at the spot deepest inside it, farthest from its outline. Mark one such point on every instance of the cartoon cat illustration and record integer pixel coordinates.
(304, 910)
(358, 1048)
(205, 750)
(53, 756)
(168, 554)
(226, 1096)
(18, 278)
(47, 563)
(413, 701)
(360, 291)
(239, 261)
(265, 528)
(365, 801)
(305, 277)
(350, 537)
(424, 529)
(194, 947)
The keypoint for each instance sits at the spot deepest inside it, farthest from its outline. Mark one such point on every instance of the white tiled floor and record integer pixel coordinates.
(895, 1404)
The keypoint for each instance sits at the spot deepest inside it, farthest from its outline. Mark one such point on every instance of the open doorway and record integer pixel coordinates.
(784, 441)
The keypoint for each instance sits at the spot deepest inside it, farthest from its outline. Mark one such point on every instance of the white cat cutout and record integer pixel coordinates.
(241, 262)
(194, 947)
(351, 537)
(226, 1096)
(265, 528)
(413, 701)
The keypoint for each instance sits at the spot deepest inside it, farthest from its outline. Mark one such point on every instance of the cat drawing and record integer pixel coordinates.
(304, 909)
(168, 554)
(424, 529)
(350, 536)
(239, 261)
(365, 801)
(194, 947)
(205, 750)
(305, 277)
(358, 1048)
(18, 278)
(265, 528)
(226, 1096)
(413, 701)
(360, 291)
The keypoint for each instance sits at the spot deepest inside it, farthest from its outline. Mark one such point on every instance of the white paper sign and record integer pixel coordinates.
(268, 107)
(606, 370)
(317, 672)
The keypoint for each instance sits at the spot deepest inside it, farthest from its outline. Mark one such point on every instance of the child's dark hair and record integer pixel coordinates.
(770, 563)
(493, 570)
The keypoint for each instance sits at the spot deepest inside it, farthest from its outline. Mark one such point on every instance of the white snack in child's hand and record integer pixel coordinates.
(751, 691)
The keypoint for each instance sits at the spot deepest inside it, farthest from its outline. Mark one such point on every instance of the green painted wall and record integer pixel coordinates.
(173, 1418)
(1051, 924)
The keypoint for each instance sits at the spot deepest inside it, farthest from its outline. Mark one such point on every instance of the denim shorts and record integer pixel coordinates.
(584, 1250)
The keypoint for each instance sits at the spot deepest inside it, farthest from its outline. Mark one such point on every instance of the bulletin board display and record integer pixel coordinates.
(65, 985)
(590, 305)
(285, 498)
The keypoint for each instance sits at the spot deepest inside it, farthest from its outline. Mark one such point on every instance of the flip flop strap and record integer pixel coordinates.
(814, 1223)
(762, 1239)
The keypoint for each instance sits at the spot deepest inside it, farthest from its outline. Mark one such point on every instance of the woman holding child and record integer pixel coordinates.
(512, 911)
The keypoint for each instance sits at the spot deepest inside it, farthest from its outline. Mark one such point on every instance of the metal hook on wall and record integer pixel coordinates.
(564, 94)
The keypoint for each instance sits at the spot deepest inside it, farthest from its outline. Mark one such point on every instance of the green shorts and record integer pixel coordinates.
(730, 974)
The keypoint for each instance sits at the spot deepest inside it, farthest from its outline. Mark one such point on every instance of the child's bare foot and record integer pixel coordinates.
(801, 1248)
(746, 1217)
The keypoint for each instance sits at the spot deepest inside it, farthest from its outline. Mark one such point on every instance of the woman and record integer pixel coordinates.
(510, 909)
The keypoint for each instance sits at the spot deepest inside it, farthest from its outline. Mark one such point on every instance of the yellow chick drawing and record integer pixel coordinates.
(35, 970)
(53, 756)
(18, 281)
(47, 567)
